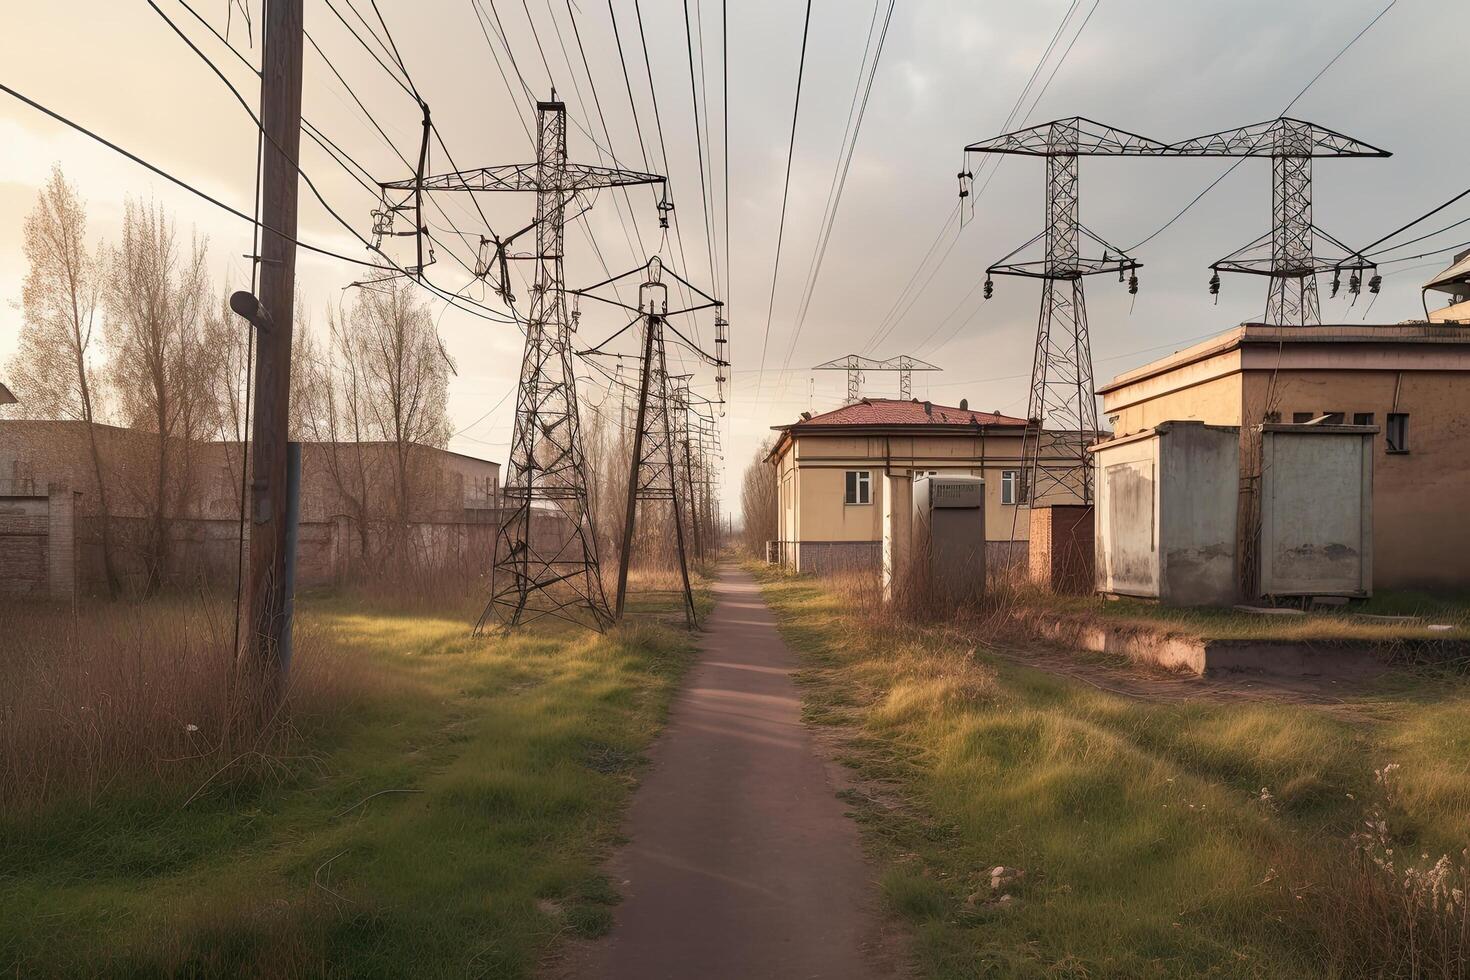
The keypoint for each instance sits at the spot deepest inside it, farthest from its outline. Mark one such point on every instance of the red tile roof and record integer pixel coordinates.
(891, 411)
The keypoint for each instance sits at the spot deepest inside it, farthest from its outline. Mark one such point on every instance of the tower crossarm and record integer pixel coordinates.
(1276, 137)
(569, 178)
(1092, 138)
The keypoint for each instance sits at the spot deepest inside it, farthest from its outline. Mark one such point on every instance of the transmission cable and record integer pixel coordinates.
(785, 195)
(1211, 186)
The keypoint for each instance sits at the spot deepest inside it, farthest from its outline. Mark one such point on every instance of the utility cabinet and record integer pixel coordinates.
(948, 535)
(1165, 512)
(1316, 510)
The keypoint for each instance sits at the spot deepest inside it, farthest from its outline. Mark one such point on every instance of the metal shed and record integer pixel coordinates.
(1166, 513)
(1316, 509)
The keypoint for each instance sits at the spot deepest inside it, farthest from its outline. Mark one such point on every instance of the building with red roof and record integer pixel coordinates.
(839, 470)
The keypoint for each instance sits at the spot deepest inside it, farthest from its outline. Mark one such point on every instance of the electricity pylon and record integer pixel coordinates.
(1287, 253)
(1062, 408)
(558, 574)
(654, 474)
(856, 365)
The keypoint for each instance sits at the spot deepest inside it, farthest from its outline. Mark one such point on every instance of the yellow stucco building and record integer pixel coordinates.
(833, 470)
(1412, 380)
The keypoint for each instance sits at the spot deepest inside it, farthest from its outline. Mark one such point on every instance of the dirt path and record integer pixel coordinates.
(740, 861)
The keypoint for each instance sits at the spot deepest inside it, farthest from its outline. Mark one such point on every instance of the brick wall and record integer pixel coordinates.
(38, 548)
(1061, 547)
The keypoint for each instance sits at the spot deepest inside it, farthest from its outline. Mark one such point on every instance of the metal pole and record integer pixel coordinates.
(280, 113)
(293, 525)
(648, 329)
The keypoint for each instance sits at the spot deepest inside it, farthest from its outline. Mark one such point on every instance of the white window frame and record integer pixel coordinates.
(1010, 486)
(862, 488)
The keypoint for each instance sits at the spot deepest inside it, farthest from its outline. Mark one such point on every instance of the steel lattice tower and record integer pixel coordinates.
(856, 364)
(559, 575)
(1062, 406)
(654, 473)
(1287, 254)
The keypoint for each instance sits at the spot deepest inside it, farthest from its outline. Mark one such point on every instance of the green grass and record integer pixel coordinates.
(1140, 828)
(517, 757)
(1348, 625)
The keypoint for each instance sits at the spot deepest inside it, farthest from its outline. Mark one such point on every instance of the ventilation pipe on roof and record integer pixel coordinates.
(928, 408)
(964, 404)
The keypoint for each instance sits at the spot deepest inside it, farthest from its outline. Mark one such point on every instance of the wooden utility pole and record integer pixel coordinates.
(280, 115)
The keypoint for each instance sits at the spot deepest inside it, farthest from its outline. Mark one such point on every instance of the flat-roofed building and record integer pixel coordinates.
(1412, 380)
(1454, 281)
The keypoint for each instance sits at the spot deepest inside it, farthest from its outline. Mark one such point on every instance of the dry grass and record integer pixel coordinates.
(1156, 839)
(146, 694)
(451, 823)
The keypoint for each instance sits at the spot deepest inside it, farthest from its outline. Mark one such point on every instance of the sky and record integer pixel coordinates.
(951, 73)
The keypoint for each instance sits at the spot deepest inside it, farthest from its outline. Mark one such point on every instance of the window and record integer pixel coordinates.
(1397, 433)
(920, 474)
(1010, 486)
(859, 487)
(1362, 418)
(1300, 417)
(1333, 418)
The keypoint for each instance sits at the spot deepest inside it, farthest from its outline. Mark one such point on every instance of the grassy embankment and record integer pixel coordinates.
(1154, 839)
(436, 804)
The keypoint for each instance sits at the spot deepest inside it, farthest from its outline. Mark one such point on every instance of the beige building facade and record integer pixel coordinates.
(1410, 380)
(835, 470)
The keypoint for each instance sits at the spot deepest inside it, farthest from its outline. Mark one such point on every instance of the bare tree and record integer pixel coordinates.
(330, 409)
(227, 336)
(53, 367)
(759, 501)
(404, 378)
(156, 299)
(387, 383)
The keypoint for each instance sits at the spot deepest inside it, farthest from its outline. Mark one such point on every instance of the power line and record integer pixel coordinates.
(839, 173)
(879, 333)
(699, 148)
(1226, 172)
(597, 101)
(786, 189)
(183, 183)
(316, 192)
(1426, 215)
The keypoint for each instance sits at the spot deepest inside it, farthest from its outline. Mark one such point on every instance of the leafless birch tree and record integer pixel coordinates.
(54, 370)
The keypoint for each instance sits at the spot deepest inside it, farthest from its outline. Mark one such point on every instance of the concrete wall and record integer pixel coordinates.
(1199, 466)
(1208, 390)
(1166, 514)
(1316, 512)
(1126, 515)
(1421, 537)
(204, 551)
